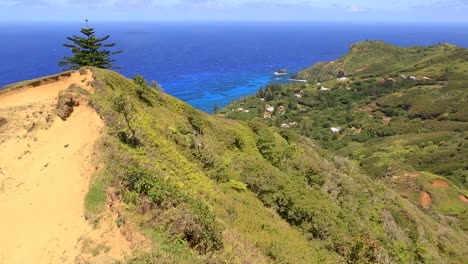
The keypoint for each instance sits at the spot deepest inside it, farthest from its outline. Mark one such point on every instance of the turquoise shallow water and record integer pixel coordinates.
(208, 63)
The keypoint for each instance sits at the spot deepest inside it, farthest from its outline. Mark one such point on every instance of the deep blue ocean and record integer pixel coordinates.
(206, 63)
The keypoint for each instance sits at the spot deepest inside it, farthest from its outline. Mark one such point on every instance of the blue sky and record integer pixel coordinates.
(236, 10)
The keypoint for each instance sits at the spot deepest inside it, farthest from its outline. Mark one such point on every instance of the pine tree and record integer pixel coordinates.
(88, 51)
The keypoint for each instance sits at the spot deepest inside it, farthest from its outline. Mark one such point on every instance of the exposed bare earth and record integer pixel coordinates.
(440, 183)
(425, 199)
(464, 198)
(386, 120)
(45, 167)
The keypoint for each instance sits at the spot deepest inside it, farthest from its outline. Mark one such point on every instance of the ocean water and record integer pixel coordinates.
(209, 63)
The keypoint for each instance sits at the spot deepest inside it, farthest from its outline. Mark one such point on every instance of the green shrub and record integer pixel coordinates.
(139, 80)
(237, 185)
(184, 216)
(375, 130)
(267, 147)
(205, 156)
(197, 120)
(314, 178)
(143, 91)
(427, 109)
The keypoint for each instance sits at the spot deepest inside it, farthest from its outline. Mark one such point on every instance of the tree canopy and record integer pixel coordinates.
(89, 51)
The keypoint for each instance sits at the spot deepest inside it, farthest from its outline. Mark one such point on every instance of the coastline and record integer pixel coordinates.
(206, 101)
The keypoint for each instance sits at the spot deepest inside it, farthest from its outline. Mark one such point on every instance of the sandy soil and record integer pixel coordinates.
(425, 199)
(45, 167)
(440, 183)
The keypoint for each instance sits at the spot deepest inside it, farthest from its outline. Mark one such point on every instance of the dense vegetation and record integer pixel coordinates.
(403, 120)
(206, 189)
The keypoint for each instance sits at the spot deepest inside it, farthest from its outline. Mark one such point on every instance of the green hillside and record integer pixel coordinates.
(398, 113)
(207, 189)
(378, 58)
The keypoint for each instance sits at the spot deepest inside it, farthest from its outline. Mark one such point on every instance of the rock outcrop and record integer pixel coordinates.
(68, 99)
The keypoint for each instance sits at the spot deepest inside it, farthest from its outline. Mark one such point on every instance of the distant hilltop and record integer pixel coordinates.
(377, 57)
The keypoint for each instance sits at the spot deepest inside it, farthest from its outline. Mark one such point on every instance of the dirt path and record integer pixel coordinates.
(45, 166)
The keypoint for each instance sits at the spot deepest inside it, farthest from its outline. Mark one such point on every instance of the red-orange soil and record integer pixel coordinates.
(464, 198)
(440, 183)
(425, 199)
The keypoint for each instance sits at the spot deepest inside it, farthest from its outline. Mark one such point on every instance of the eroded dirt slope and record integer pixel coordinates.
(45, 167)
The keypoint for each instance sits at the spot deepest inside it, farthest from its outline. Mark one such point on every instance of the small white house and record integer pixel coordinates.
(324, 89)
(342, 79)
(336, 130)
(240, 109)
(247, 111)
(297, 95)
(270, 109)
(284, 125)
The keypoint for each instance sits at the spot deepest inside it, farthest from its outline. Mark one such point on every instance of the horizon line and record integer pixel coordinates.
(240, 21)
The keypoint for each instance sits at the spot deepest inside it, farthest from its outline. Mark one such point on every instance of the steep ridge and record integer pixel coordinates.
(223, 186)
(45, 168)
